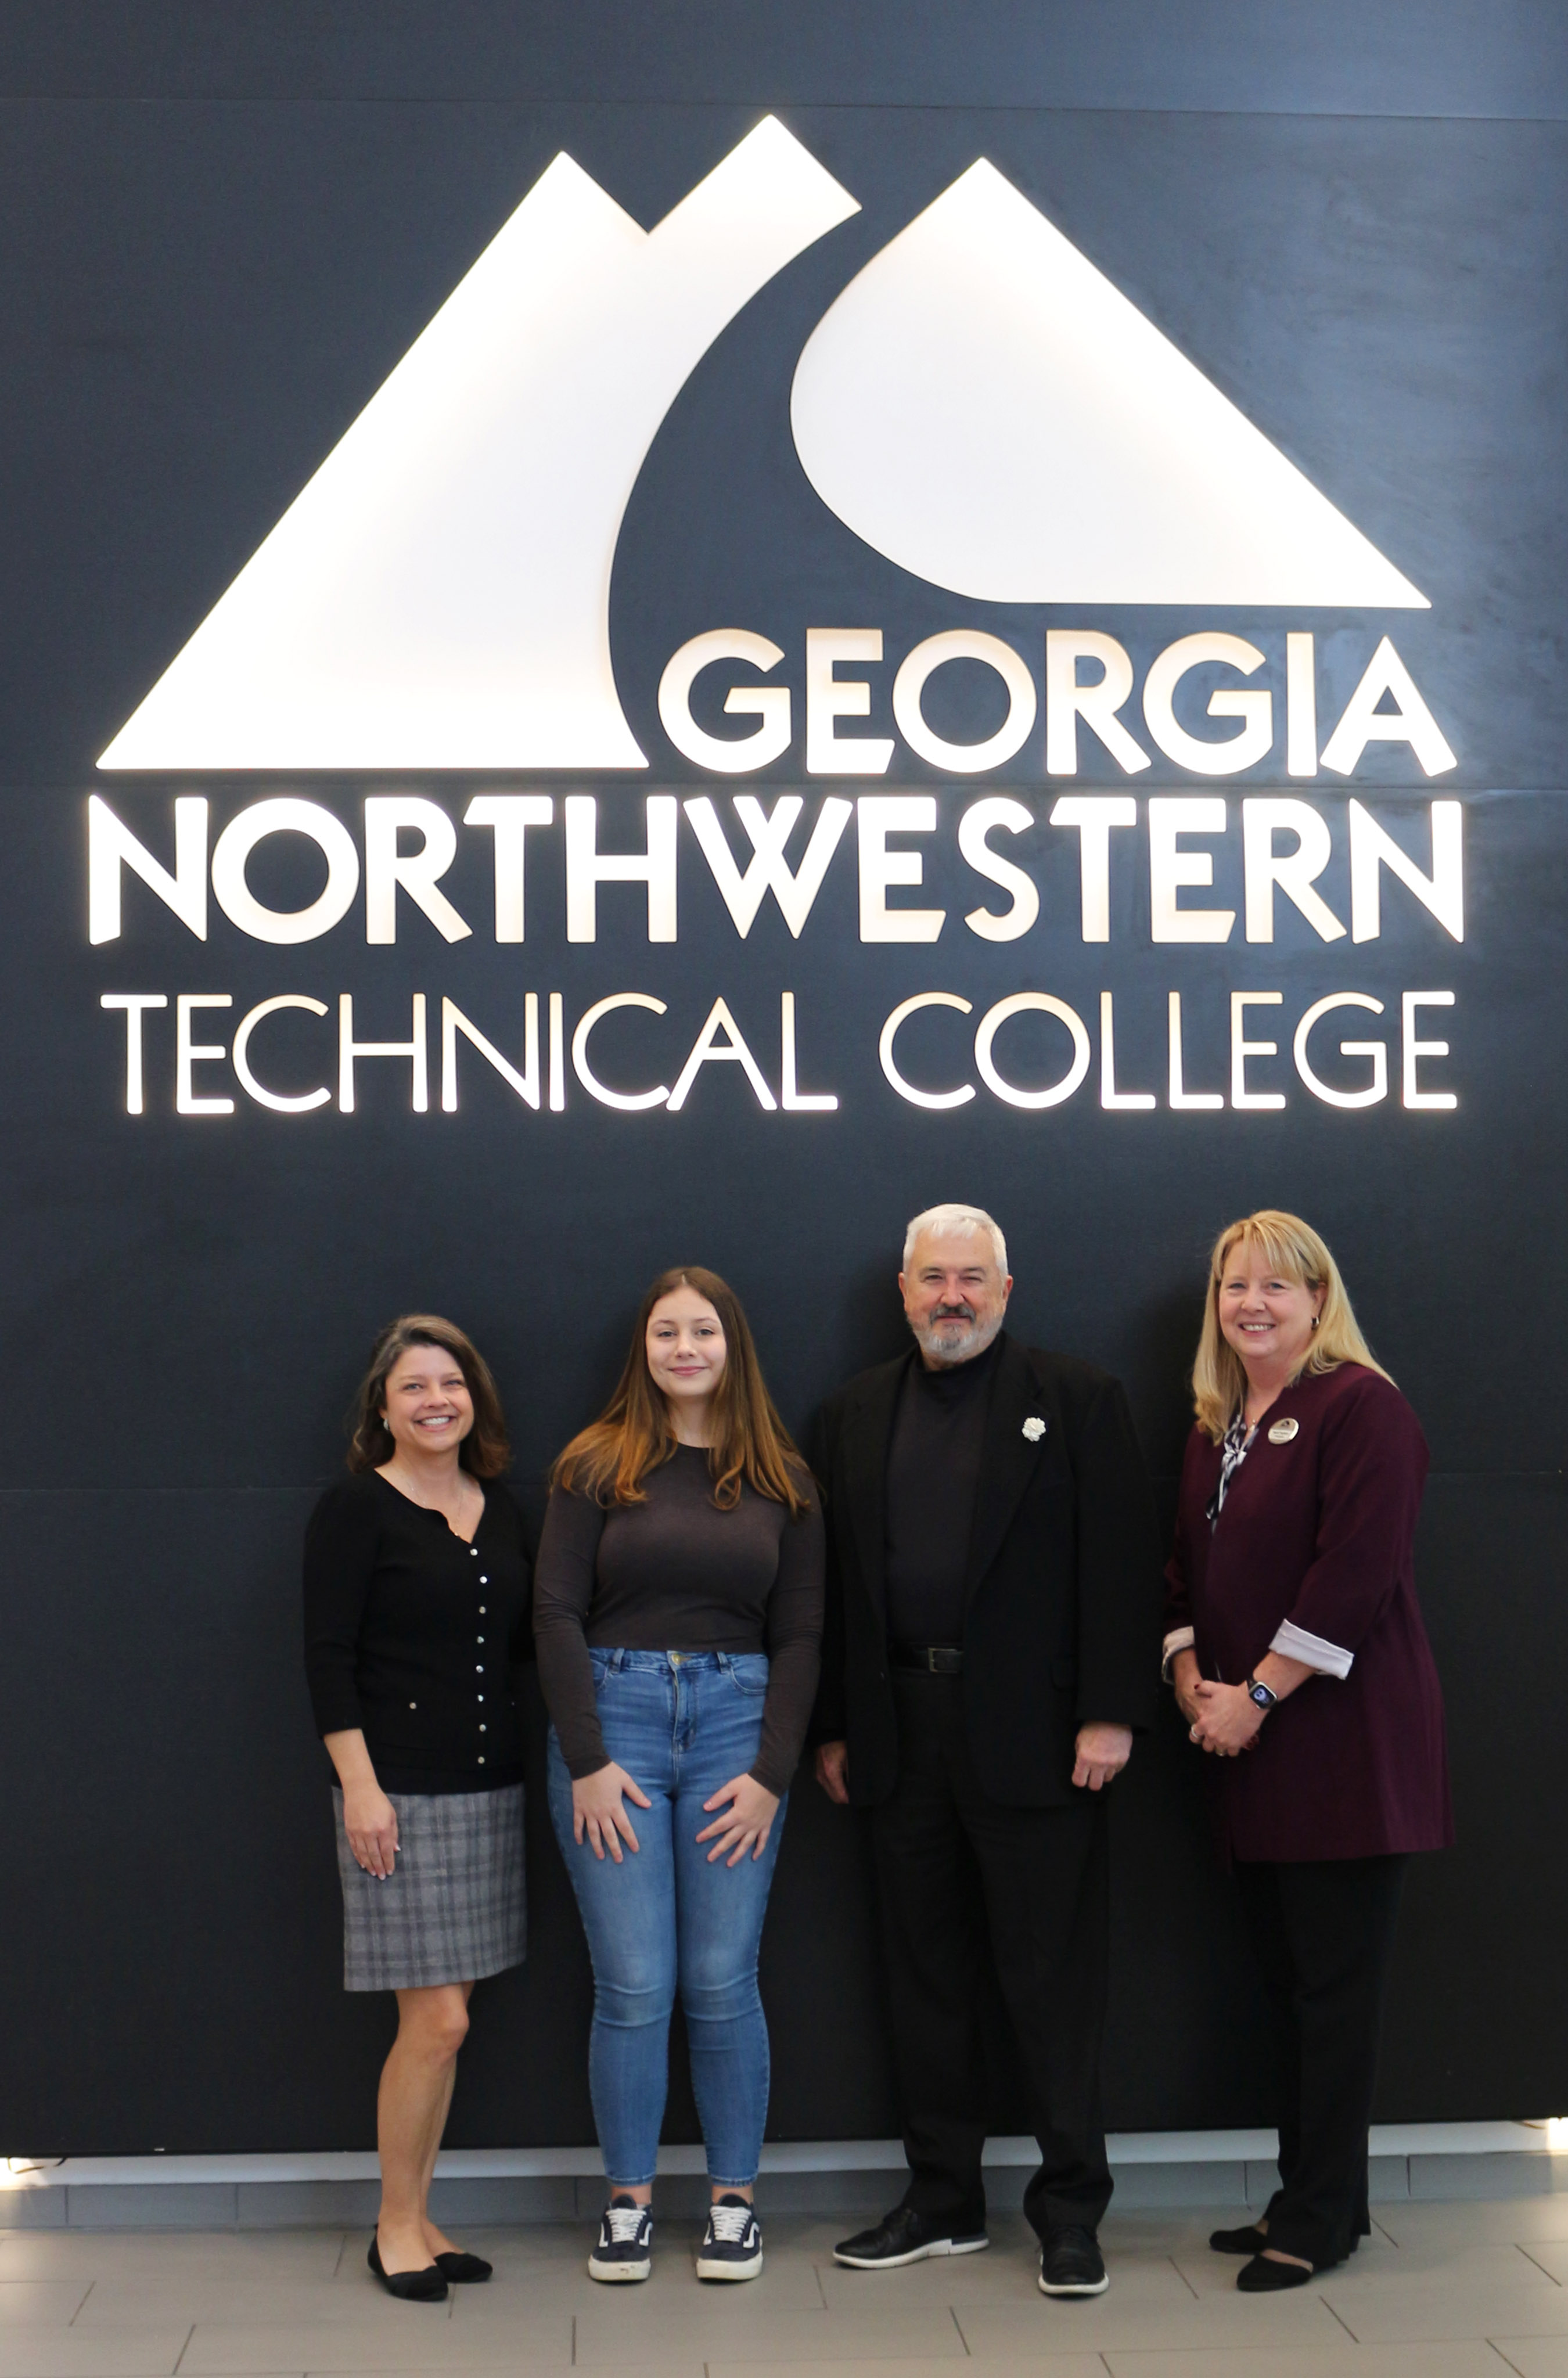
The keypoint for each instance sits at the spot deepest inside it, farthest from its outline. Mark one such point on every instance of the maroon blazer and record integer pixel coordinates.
(1317, 1536)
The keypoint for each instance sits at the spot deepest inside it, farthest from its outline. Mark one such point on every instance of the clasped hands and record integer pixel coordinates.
(598, 1814)
(1221, 1719)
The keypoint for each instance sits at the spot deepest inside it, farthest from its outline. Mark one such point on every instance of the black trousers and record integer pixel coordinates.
(960, 1875)
(1323, 1934)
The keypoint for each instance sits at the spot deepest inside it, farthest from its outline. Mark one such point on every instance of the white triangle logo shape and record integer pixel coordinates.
(438, 595)
(986, 409)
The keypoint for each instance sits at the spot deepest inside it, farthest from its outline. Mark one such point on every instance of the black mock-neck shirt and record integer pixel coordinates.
(932, 1477)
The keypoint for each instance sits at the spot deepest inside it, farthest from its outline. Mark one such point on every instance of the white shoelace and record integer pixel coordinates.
(625, 2221)
(729, 2223)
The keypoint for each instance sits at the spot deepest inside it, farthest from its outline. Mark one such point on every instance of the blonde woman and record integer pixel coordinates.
(1295, 1642)
(679, 1622)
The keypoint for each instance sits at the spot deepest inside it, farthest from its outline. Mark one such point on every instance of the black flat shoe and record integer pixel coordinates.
(463, 2270)
(1260, 2278)
(409, 2286)
(1248, 2239)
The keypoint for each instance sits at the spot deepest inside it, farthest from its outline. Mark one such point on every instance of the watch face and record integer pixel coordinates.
(1262, 1695)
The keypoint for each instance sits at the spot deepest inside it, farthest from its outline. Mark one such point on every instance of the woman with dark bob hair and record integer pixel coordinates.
(416, 1612)
(678, 1627)
(1302, 1665)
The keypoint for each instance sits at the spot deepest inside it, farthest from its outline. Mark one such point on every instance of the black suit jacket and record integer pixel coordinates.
(1063, 1591)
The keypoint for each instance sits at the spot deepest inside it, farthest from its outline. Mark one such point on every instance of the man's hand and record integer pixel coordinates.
(1102, 1751)
(833, 1771)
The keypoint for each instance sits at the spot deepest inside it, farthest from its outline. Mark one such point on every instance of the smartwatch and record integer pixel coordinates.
(1260, 1694)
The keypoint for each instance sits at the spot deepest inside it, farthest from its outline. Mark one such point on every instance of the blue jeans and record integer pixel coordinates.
(682, 1725)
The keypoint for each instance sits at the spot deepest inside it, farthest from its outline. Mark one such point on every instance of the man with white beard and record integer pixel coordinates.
(993, 1644)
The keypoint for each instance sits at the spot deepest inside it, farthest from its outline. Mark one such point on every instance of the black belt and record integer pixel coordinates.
(930, 1659)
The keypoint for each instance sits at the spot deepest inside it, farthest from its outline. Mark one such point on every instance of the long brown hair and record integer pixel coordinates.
(611, 1458)
(1292, 1249)
(485, 1450)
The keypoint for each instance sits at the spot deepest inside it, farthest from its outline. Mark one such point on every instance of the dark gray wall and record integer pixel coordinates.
(226, 227)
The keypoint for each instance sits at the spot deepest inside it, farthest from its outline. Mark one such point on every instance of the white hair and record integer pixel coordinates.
(956, 1222)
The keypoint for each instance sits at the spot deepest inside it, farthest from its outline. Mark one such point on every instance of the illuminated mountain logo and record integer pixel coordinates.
(438, 595)
(980, 406)
(987, 410)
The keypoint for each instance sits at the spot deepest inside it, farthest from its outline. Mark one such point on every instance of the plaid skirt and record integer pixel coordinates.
(453, 1909)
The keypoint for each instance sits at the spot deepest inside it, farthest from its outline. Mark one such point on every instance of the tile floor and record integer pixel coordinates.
(1440, 2291)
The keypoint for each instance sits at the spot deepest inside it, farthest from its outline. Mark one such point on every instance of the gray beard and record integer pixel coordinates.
(947, 1351)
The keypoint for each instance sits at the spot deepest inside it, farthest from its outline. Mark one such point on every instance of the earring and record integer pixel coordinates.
(1316, 1318)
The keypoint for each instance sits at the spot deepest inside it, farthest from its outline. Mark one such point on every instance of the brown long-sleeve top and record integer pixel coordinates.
(674, 1573)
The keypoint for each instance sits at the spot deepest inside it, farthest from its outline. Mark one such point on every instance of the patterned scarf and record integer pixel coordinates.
(1234, 1446)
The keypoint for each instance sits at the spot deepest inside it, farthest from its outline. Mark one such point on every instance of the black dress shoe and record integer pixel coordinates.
(463, 2270)
(1260, 2278)
(1071, 2263)
(1248, 2239)
(905, 2236)
(410, 2287)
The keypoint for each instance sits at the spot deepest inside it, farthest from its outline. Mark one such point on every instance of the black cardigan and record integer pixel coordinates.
(413, 1636)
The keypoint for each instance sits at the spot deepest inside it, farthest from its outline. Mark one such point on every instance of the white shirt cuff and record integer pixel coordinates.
(1292, 1642)
(1180, 1638)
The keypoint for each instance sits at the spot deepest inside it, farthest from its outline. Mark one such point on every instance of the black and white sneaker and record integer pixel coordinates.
(732, 2247)
(904, 2235)
(1071, 2263)
(624, 2251)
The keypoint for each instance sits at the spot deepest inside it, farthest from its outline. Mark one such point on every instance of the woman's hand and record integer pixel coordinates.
(1228, 1720)
(370, 1821)
(598, 1810)
(369, 1817)
(1185, 1675)
(747, 1820)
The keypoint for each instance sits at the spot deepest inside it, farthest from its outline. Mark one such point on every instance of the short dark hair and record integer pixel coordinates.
(486, 1450)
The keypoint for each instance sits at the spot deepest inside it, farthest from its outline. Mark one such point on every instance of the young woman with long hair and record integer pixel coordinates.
(677, 1619)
